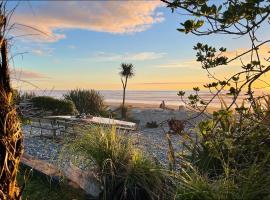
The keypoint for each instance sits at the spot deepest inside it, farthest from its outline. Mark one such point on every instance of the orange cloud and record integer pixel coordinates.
(264, 53)
(104, 16)
(189, 64)
(26, 74)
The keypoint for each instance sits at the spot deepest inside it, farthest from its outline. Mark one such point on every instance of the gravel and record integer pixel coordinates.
(152, 141)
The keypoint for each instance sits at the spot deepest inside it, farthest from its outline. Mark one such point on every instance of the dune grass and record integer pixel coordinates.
(124, 171)
(40, 187)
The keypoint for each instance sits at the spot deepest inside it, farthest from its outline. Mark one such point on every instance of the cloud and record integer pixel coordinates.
(42, 51)
(264, 52)
(139, 56)
(71, 46)
(172, 83)
(102, 16)
(38, 52)
(181, 64)
(27, 74)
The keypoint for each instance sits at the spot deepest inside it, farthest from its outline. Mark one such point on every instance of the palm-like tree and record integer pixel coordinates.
(127, 71)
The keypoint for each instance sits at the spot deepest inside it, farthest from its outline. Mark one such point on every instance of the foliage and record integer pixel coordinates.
(230, 161)
(127, 71)
(125, 172)
(22, 96)
(250, 184)
(57, 106)
(224, 16)
(227, 17)
(124, 111)
(38, 186)
(152, 124)
(87, 101)
(176, 126)
(229, 157)
(11, 137)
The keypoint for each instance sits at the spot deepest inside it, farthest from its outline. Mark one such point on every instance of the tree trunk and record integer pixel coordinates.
(124, 98)
(10, 132)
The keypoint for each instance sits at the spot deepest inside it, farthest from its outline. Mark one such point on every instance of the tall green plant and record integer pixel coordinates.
(231, 157)
(19, 97)
(127, 71)
(57, 106)
(87, 101)
(125, 172)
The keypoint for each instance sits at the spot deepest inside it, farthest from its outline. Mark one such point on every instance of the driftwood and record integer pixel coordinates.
(75, 176)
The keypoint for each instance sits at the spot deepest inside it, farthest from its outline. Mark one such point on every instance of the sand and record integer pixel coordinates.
(147, 106)
(152, 140)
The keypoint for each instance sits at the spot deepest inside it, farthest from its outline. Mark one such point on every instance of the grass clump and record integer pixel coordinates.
(124, 172)
(19, 97)
(152, 124)
(40, 187)
(87, 101)
(56, 106)
(230, 160)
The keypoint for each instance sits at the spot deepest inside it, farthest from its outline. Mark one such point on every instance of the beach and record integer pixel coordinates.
(152, 140)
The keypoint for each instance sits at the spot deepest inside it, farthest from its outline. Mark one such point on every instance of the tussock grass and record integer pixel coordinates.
(124, 171)
(87, 101)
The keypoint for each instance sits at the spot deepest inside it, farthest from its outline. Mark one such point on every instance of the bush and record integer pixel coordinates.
(125, 172)
(18, 97)
(57, 106)
(152, 124)
(230, 161)
(87, 101)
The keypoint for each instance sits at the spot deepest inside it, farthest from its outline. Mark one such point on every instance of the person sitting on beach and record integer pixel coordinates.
(162, 105)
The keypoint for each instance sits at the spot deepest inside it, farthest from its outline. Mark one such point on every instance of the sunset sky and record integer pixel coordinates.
(83, 43)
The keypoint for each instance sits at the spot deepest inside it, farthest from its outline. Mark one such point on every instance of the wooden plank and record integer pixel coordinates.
(40, 165)
(77, 177)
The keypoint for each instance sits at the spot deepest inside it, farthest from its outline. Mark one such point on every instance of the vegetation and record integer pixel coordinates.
(152, 124)
(87, 101)
(22, 96)
(230, 161)
(38, 186)
(229, 157)
(127, 71)
(11, 145)
(124, 172)
(57, 106)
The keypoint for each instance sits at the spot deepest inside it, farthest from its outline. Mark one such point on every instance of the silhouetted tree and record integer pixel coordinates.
(127, 71)
(227, 17)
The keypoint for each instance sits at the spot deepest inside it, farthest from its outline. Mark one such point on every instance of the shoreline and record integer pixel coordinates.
(147, 106)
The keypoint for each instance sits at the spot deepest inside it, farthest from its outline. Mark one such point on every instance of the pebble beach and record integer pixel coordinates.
(152, 140)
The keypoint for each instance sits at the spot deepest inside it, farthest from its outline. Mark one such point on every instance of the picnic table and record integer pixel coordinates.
(96, 120)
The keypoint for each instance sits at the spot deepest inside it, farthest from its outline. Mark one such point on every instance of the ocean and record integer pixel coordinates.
(142, 96)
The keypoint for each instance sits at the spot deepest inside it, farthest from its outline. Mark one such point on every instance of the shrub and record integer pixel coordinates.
(87, 101)
(22, 96)
(230, 161)
(252, 183)
(152, 124)
(57, 106)
(238, 144)
(125, 172)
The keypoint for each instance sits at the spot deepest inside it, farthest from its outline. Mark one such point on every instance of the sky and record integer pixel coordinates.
(81, 44)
